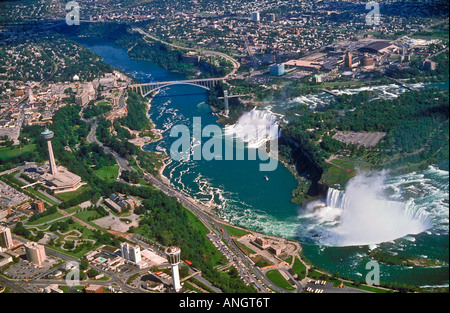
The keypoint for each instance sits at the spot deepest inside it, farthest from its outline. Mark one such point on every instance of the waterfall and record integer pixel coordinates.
(255, 128)
(364, 215)
(336, 199)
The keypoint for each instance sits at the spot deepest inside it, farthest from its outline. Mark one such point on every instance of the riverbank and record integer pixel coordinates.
(150, 133)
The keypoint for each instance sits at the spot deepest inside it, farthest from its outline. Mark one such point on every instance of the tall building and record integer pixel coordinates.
(173, 255)
(348, 59)
(254, 16)
(48, 135)
(35, 253)
(271, 17)
(6, 241)
(277, 69)
(132, 253)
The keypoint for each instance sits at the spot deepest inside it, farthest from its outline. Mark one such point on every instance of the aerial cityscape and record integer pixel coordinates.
(224, 147)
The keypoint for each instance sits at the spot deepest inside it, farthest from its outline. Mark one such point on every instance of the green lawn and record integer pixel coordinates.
(244, 248)
(278, 279)
(109, 173)
(342, 169)
(13, 152)
(87, 215)
(66, 196)
(46, 219)
(298, 268)
(367, 288)
(234, 231)
(80, 252)
(103, 103)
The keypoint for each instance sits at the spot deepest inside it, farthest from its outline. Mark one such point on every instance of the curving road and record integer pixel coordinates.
(235, 63)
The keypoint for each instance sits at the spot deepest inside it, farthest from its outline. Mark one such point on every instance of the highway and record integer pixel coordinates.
(235, 63)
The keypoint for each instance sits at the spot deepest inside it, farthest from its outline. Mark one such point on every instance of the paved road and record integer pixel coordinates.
(235, 63)
(91, 137)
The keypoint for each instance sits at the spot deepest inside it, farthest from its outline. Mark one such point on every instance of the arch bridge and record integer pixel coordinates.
(147, 88)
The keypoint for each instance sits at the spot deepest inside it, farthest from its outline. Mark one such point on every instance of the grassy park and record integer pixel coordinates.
(278, 279)
(9, 153)
(108, 173)
(67, 196)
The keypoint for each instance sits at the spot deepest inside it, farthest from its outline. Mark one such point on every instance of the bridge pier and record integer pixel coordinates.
(225, 102)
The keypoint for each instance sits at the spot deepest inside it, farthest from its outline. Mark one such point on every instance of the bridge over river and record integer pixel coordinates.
(146, 89)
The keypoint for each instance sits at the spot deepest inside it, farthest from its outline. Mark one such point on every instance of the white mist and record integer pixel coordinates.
(368, 217)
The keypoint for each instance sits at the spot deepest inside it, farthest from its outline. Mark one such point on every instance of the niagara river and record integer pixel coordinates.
(407, 214)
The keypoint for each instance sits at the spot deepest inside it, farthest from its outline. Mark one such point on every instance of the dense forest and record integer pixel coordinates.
(136, 118)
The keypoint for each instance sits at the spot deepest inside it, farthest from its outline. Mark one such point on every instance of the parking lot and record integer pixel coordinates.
(366, 139)
(26, 270)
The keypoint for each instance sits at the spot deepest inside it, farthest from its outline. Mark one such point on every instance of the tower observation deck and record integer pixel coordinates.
(48, 135)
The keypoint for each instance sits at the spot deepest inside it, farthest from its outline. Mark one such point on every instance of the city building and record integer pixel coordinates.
(113, 206)
(53, 288)
(348, 60)
(82, 98)
(90, 288)
(118, 203)
(6, 240)
(378, 47)
(261, 243)
(277, 69)
(368, 62)
(429, 65)
(191, 58)
(131, 253)
(35, 253)
(303, 65)
(5, 259)
(4, 212)
(173, 255)
(38, 206)
(88, 93)
(318, 78)
(254, 16)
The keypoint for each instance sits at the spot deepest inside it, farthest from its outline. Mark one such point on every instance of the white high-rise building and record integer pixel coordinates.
(173, 255)
(132, 253)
